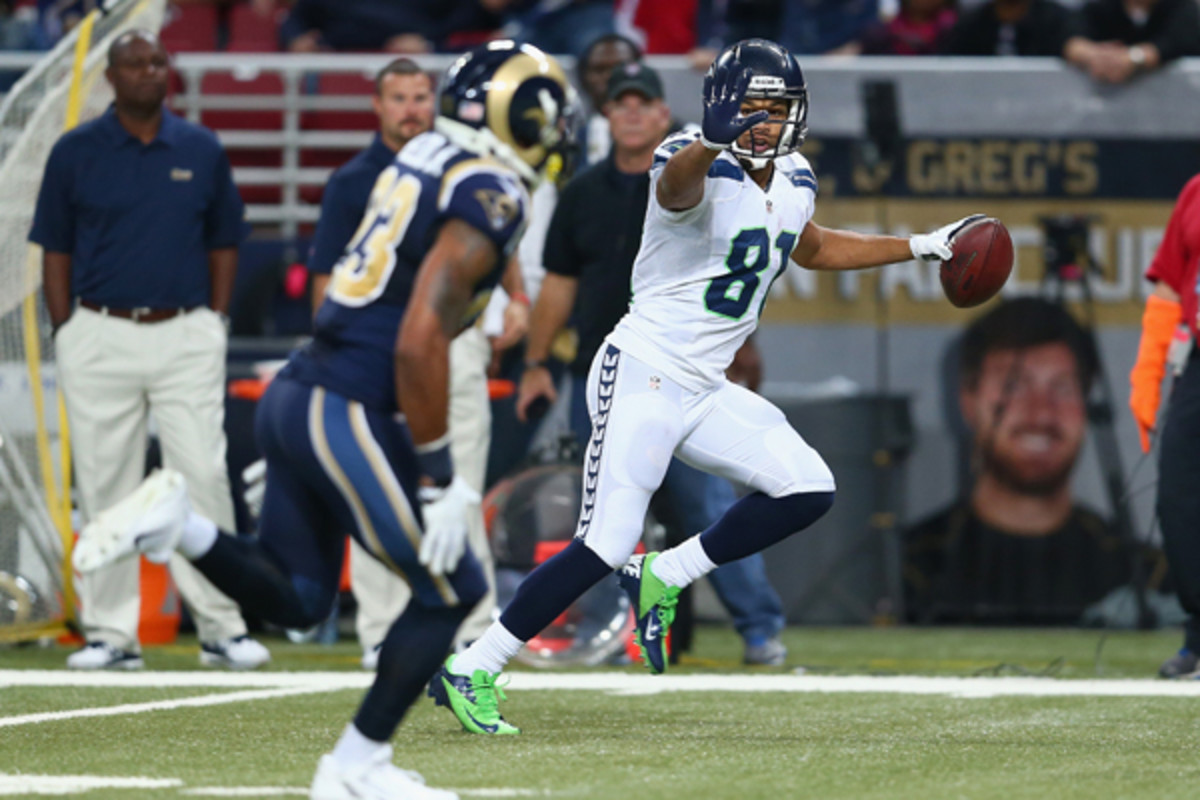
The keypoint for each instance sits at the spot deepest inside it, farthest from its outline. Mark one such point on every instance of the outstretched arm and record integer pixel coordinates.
(830, 249)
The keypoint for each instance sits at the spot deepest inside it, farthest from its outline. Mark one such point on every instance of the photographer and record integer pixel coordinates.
(1174, 273)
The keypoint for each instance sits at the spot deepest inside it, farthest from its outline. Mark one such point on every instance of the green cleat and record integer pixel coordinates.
(474, 700)
(654, 606)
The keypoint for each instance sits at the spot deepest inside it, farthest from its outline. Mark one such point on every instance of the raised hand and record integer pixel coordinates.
(724, 90)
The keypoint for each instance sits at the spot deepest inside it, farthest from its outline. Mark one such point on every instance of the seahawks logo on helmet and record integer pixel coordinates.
(511, 101)
(774, 74)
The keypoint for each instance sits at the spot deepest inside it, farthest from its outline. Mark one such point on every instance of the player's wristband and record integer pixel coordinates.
(536, 364)
(520, 297)
(712, 145)
(435, 462)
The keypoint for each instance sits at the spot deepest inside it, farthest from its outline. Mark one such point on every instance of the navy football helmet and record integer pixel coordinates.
(511, 101)
(775, 74)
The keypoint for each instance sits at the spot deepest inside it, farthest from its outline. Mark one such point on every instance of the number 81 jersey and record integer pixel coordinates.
(702, 275)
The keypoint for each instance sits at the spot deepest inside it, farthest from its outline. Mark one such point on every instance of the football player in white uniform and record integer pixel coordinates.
(728, 209)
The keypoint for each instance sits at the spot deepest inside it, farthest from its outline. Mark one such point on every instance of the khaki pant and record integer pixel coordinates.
(114, 374)
(380, 594)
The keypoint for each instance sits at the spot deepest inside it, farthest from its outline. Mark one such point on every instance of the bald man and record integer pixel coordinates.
(140, 222)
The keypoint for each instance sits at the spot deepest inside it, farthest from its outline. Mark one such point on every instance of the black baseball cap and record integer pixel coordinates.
(634, 76)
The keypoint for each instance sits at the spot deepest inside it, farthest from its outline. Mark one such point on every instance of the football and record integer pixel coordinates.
(983, 259)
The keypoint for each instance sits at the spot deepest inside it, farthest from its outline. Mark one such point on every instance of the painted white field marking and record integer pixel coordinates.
(77, 784)
(297, 791)
(158, 705)
(247, 791)
(616, 682)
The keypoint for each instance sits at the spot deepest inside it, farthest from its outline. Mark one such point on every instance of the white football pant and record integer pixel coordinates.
(115, 373)
(640, 418)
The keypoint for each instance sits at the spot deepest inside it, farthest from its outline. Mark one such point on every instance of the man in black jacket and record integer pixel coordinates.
(1118, 39)
(1011, 28)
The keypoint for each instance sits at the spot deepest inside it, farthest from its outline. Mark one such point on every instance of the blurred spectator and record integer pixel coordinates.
(1174, 302)
(592, 71)
(1018, 550)
(1011, 28)
(817, 27)
(1121, 38)
(721, 22)
(919, 29)
(18, 27)
(57, 17)
(315, 25)
(556, 26)
(658, 26)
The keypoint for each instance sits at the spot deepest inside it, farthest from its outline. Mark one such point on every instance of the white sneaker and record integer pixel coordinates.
(378, 779)
(370, 659)
(102, 655)
(148, 521)
(240, 652)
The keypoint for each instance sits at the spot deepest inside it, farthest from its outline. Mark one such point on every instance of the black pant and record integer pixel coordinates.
(1179, 494)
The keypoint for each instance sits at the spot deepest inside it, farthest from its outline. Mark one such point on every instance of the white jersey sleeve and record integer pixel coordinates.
(702, 275)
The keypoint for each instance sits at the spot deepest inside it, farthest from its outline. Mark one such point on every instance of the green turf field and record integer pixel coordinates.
(689, 744)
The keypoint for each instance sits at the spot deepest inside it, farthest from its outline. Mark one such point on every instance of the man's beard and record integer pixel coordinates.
(1010, 475)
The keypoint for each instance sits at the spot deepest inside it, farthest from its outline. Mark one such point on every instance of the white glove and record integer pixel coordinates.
(255, 479)
(445, 512)
(935, 246)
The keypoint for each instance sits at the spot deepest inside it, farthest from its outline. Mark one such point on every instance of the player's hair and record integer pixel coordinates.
(608, 38)
(127, 38)
(402, 66)
(1023, 323)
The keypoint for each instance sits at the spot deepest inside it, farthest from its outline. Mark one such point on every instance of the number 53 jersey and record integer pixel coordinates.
(430, 182)
(702, 275)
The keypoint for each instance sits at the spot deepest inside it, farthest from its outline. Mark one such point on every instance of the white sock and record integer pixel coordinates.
(354, 748)
(490, 652)
(683, 564)
(199, 535)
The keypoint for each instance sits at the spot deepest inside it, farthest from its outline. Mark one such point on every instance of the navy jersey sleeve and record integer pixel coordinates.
(54, 218)
(224, 219)
(489, 200)
(341, 213)
(559, 254)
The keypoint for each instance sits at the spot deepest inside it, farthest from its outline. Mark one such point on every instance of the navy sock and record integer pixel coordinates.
(252, 577)
(551, 588)
(758, 521)
(412, 651)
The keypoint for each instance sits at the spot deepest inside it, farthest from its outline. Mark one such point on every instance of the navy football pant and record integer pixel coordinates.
(335, 468)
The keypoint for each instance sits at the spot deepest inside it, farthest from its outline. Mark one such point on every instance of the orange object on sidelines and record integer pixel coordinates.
(248, 388)
(159, 619)
(501, 388)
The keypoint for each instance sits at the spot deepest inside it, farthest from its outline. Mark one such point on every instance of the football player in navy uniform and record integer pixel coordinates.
(354, 428)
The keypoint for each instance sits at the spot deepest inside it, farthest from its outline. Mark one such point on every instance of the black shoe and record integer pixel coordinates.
(1183, 664)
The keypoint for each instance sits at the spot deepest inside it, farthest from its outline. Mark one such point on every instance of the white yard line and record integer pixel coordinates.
(247, 791)
(624, 683)
(77, 784)
(159, 705)
(297, 791)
